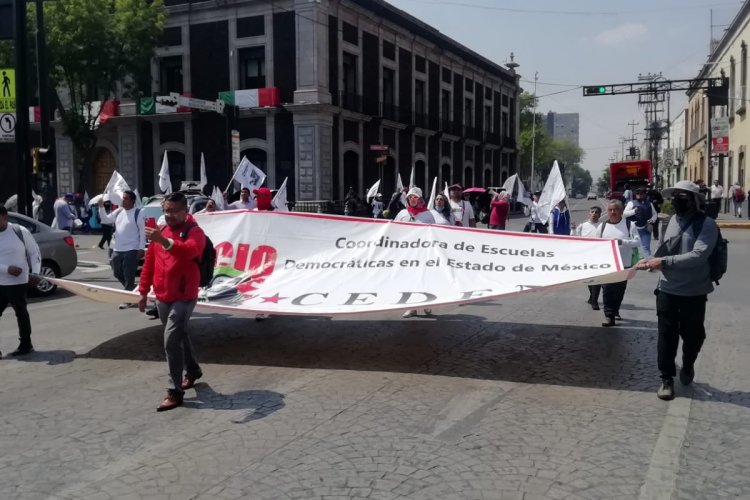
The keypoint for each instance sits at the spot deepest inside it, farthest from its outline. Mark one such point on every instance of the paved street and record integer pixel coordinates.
(525, 399)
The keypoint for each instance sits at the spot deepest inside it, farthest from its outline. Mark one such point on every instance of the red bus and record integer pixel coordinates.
(635, 173)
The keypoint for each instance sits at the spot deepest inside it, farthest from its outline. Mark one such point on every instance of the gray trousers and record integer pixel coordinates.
(177, 346)
(124, 266)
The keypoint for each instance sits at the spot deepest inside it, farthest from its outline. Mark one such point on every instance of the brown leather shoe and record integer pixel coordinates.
(170, 403)
(189, 382)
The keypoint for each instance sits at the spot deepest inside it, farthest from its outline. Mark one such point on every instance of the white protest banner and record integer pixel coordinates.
(204, 178)
(400, 189)
(279, 201)
(433, 194)
(412, 181)
(552, 194)
(165, 181)
(248, 175)
(115, 187)
(218, 198)
(373, 191)
(308, 264)
(513, 183)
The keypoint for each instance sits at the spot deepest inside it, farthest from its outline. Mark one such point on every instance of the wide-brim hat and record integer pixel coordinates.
(456, 187)
(684, 186)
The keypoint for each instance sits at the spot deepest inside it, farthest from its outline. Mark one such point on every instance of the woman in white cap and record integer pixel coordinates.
(416, 209)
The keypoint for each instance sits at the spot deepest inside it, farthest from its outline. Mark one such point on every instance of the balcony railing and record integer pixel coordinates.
(347, 100)
(420, 120)
(389, 111)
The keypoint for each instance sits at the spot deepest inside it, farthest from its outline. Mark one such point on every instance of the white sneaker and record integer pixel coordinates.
(124, 306)
(409, 314)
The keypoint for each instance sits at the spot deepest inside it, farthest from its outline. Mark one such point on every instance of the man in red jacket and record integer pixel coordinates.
(171, 267)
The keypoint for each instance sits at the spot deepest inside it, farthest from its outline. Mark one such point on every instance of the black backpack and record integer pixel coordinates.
(719, 258)
(207, 259)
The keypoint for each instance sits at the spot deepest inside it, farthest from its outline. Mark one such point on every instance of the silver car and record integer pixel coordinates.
(58, 250)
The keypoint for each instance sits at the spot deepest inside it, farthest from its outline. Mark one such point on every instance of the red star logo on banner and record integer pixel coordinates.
(275, 299)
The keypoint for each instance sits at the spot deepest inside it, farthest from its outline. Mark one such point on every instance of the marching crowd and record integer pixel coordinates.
(178, 243)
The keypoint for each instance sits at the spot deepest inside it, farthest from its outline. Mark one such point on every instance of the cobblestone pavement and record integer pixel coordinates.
(524, 399)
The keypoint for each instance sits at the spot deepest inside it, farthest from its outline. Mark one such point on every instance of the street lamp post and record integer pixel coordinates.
(533, 133)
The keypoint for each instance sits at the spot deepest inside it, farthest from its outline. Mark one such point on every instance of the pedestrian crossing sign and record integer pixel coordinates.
(7, 90)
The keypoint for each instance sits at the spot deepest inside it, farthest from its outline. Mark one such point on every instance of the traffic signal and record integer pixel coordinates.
(596, 90)
(39, 156)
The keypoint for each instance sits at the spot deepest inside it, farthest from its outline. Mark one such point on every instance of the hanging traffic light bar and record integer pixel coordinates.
(657, 86)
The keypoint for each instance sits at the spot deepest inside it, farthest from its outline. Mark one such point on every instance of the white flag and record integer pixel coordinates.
(115, 187)
(218, 198)
(165, 183)
(86, 198)
(248, 175)
(138, 200)
(279, 201)
(552, 194)
(400, 189)
(447, 192)
(411, 178)
(373, 190)
(514, 185)
(433, 194)
(204, 179)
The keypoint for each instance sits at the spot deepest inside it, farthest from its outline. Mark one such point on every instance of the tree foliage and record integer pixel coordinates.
(547, 149)
(602, 184)
(97, 50)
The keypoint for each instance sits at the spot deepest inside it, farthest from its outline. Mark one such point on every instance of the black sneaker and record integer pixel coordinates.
(153, 312)
(666, 391)
(609, 321)
(23, 350)
(687, 374)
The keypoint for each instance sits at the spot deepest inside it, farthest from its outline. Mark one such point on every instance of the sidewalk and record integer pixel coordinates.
(728, 220)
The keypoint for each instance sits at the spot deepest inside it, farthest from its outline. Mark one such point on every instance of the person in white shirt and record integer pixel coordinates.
(129, 240)
(245, 202)
(463, 212)
(641, 212)
(64, 215)
(535, 224)
(416, 209)
(590, 229)
(442, 212)
(210, 207)
(19, 255)
(377, 206)
(717, 192)
(626, 235)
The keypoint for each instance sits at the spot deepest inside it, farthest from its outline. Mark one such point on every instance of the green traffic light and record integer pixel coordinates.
(602, 90)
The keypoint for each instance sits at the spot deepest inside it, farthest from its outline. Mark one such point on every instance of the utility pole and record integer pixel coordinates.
(23, 156)
(533, 133)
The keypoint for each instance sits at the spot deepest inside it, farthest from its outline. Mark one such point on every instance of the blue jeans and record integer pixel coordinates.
(645, 237)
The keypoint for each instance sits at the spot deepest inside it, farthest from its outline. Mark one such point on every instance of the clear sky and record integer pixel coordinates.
(586, 42)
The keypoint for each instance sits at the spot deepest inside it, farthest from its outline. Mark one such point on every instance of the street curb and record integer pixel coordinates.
(733, 225)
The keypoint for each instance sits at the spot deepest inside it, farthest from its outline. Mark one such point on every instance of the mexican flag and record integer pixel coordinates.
(251, 98)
